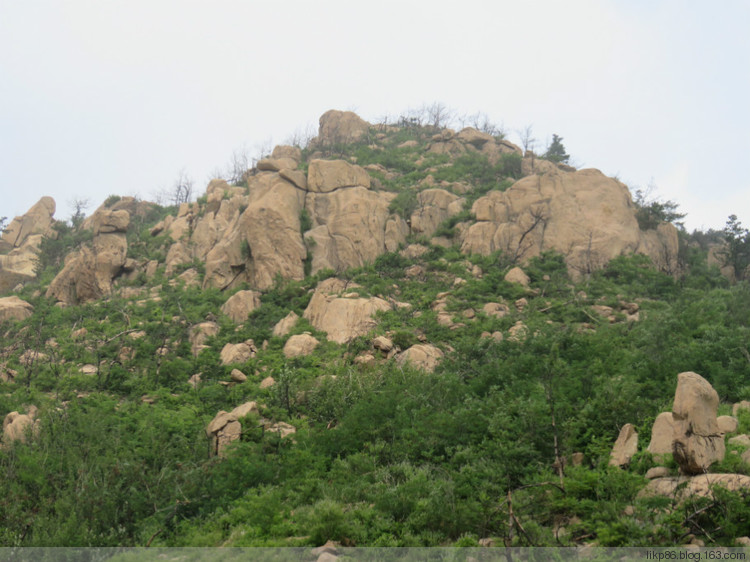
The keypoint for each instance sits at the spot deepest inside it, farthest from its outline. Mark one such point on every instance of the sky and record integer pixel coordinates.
(102, 97)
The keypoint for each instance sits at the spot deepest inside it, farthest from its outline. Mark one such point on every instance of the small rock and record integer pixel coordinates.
(267, 382)
(657, 472)
(727, 424)
(238, 376)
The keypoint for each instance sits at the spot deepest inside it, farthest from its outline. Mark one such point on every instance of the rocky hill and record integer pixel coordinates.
(396, 335)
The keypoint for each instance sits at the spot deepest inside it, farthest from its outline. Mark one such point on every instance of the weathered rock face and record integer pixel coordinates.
(625, 447)
(338, 127)
(88, 274)
(351, 227)
(585, 215)
(434, 207)
(343, 316)
(13, 308)
(19, 244)
(284, 326)
(239, 306)
(698, 441)
(325, 176)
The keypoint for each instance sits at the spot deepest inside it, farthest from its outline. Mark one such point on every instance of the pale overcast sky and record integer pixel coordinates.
(117, 97)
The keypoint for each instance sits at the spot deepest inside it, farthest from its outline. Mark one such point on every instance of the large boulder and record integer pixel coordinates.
(625, 447)
(13, 308)
(233, 353)
(239, 306)
(339, 127)
(284, 326)
(588, 217)
(698, 441)
(324, 176)
(335, 309)
(19, 244)
(300, 345)
(425, 357)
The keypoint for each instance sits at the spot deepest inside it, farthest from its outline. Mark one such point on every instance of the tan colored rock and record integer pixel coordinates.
(233, 353)
(199, 334)
(476, 138)
(698, 441)
(281, 428)
(498, 310)
(496, 336)
(662, 434)
(343, 319)
(14, 309)
(365, 358)
(267, 382)
(434, 206)
(20, 242)
(340, 127)
(325, 176)
(351, 228)
(422, 356)
(743, 405)
(383, 344)
(225, 427)
(239, 306)
(285, 151)
(295, 177)
(284, 326)
(625, 447)
(727, 424)
(89, 370)
(195, 380)
(300, 345)
(16, 427)
(237, 376)
(414, 251)
(518, 332)
(88, 273)
(517, 275)
(699, 485)
(521, 304)
(742, 440)
(276, 164)
(585, 215)
(106, 221)
(657, 472)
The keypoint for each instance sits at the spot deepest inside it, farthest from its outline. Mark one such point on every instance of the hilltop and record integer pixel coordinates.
(390, 336)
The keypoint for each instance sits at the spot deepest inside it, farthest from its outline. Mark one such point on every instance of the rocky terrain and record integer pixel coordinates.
(359, 331)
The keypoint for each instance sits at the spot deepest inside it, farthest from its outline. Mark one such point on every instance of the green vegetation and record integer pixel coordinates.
(383, 454)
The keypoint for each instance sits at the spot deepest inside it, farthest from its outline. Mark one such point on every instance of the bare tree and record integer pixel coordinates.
(239, 163)
(79, 207)
(539, 220)
(301, 137)
(439, 115)
(182, 190)
(527, 138)
(482, 122)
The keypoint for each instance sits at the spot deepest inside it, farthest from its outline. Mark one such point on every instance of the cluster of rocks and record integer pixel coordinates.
(16, 426)
(226, 427)
(693, 435)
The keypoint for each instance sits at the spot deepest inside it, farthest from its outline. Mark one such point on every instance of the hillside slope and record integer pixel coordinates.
(344, 347)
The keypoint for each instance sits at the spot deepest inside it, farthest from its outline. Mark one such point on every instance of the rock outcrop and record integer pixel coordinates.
(585, 215)
(335, 308)
(88, 273)
(226, 427)
(433, 207)
(683, 487)
(19, 244)
(698, 442)
(13, 308)
(338, 127)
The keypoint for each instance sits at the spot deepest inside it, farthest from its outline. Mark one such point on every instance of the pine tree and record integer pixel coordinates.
(556, 151)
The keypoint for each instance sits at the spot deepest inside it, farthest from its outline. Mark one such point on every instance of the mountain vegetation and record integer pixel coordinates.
(178, 396)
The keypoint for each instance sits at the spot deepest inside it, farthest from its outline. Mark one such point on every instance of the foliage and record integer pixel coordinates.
(650, 213)
(556, 151)
(736, 253)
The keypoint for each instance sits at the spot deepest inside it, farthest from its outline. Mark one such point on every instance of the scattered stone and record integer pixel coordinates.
(365, 358)
(727, 424)
(16, 427)
(625, 447)
(518, 332)
(521, 304)
(267, 382)
(497, 310)
(743, 405)
(195, 380)
(517, 275)
(383, 344)
(233, 353)
(237, 376)
(742, 440)
(699, 485)
(422, 356)
(89, 370)
(662, 434)
(284, 326)
(239, 306)
(199, 334)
